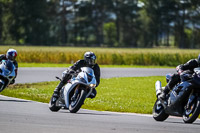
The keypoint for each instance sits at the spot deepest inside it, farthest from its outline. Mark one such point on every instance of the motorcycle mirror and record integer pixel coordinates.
(58, 78)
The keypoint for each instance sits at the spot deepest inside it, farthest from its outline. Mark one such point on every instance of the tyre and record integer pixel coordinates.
(76, 104)
(191, 113)
(52, 105)
(159, 112)
(1, 87)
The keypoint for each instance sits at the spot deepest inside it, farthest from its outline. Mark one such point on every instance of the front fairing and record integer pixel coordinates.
(86, 77)
(7, 69)
(179, 92)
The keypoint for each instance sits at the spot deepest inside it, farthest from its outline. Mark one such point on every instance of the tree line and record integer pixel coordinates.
(109, 23)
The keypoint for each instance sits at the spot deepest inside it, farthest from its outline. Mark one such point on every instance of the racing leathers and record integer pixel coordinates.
(3, 57)
(185, 72)
(67, 75)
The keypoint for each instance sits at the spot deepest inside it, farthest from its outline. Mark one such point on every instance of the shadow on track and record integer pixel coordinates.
(175, 122)
(88, 113)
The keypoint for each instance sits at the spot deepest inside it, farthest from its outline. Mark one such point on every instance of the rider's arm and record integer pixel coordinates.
(190, 65)
(77, 65)
(2, 56)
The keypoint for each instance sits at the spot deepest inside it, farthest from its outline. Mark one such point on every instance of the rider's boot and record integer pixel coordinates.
(57, 90)
(172, 82)
(162, 96)
(93, 94)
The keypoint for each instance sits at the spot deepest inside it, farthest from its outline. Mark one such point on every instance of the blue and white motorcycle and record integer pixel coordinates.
(182, 101)
(82, 82)
(7, 73)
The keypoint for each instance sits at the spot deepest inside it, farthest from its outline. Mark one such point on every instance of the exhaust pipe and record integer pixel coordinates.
(158, 86)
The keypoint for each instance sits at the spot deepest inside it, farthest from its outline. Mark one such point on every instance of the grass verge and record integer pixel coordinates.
(129, 94)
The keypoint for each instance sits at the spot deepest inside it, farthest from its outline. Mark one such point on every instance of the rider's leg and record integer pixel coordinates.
(172, 82)
(64, 80)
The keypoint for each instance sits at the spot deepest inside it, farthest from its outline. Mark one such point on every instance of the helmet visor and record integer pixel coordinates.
(11, 55)
(91, 61)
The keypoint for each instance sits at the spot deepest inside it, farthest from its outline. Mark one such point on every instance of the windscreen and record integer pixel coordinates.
(88, 70)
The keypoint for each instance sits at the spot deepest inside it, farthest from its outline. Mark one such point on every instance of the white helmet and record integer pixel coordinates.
(11, 54)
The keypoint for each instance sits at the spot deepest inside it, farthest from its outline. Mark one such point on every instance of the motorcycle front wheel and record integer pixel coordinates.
(159, 112)
(76, 104)
(191, 113)
(1, 87)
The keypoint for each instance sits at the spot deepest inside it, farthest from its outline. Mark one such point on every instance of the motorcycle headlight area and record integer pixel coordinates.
(92, 85)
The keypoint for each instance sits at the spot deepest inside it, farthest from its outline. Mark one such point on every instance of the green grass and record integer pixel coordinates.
(134, 94)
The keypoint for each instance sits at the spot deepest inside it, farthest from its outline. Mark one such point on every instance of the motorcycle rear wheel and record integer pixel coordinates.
(191, 114)
(76, 105)
(159, 112)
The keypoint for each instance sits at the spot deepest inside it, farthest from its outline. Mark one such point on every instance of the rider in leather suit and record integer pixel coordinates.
(11, 55)
(88, 61)
(185, 72)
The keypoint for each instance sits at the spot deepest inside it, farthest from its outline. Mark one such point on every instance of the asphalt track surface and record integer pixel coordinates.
(31, 75)
(22, 116)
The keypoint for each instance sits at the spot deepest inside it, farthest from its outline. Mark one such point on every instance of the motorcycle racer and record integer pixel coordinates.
(11, 55)
(88, 61)
(184, 72)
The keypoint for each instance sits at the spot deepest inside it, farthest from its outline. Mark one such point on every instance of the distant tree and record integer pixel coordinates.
(1, 23)
(29, 22)
(110, 34)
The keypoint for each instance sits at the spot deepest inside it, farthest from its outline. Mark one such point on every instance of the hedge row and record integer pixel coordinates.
(162, 59)
(106, 56)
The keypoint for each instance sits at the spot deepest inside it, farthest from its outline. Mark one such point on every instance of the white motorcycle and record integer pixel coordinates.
(83, 82)
(7, 73)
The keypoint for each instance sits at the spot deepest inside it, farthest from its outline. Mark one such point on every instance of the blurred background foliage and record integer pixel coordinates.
(101, 23)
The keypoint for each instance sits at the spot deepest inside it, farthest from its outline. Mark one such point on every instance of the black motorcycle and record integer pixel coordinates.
(182, 101)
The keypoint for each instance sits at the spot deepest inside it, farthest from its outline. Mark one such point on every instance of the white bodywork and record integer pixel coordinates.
(5, 73)
(85, 72)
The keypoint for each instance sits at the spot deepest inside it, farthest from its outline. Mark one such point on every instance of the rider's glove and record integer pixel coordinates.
(178, 69)
(71, 71)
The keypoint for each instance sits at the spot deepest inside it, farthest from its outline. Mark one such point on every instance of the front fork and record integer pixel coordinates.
(77, 91)
(190, 100)
(2, 84)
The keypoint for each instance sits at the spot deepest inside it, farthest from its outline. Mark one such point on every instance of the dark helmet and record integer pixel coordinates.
(11, 54)
(90, 58)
